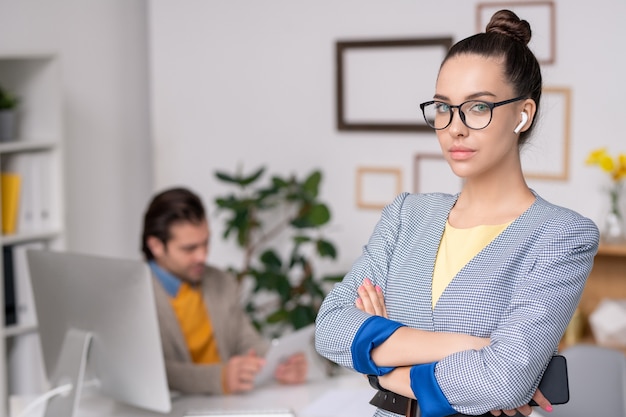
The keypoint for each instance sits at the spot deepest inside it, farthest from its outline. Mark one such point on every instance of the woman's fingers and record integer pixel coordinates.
(542, 401)
(371, 299)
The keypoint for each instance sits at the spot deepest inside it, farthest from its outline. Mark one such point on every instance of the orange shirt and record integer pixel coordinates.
(195, 324)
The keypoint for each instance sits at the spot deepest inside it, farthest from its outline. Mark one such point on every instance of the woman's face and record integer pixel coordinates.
(490, 151)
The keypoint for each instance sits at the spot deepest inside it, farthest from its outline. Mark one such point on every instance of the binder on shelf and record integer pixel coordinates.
(10, 305)
(34, 174)
(25, 166)
(24, 359)
(10, 186)
(24, 298)
(45, 177)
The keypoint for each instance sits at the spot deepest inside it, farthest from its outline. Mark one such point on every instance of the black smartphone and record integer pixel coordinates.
(554, 384)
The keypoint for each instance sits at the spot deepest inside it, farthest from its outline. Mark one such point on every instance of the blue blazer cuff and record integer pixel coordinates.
(374, 331)
(428, 393)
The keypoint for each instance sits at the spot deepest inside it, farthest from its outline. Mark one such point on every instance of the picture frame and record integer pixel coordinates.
(434, 165)
(380, 82)
(540, 14)
(377, 186)
(547, 154)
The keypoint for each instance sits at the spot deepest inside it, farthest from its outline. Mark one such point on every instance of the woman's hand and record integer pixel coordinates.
(527, 409)
(408, 346)
(371, 299)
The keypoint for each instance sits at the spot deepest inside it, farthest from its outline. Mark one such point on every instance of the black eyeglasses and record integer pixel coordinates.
(475, 114)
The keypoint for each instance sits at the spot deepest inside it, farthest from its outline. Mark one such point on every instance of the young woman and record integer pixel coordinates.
(479, 286)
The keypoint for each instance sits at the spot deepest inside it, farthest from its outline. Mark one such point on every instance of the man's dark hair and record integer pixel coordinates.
(166, 208)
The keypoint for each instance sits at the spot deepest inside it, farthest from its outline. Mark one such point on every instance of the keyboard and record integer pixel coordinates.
(241, 413)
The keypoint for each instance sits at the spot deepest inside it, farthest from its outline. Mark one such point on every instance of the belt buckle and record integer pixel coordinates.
(391, 401)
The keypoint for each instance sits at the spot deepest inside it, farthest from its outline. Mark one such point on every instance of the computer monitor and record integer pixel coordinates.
(97, 322)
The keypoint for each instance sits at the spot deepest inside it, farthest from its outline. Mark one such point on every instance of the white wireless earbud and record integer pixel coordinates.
(521, 124)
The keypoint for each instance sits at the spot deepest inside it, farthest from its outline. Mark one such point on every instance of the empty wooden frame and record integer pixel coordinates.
(547, 153)
(376, 187)
(380, 83)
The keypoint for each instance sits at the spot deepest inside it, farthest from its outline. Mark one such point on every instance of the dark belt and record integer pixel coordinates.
(393, 402)
(407, 407)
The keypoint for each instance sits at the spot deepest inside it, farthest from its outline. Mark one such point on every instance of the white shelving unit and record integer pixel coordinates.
(36, 155)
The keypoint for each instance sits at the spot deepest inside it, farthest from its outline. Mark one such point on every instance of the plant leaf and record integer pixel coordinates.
(326, 249)
(239, 179)
(312, 182)
(278, 316)
(314, 215)
(333, 278)
(271, 260)
(302, 316)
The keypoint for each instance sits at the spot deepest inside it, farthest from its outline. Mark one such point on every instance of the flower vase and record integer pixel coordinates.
(614, 226)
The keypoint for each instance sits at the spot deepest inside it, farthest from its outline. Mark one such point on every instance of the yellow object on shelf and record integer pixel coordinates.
(10, 186)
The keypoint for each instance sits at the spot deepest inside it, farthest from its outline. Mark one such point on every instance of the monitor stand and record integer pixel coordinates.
(70, 369)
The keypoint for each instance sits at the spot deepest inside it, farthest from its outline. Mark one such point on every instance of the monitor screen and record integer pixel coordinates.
(98, 323)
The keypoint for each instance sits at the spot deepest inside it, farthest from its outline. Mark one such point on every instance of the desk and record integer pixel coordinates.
(306, 400)
(314, 399)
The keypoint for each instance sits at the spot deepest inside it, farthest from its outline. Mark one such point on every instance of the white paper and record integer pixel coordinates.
(344, 402)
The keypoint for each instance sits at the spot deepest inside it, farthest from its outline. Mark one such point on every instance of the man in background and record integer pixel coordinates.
(209, 344)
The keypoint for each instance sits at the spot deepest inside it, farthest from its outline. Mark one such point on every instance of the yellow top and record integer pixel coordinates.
(195, 324)
(457, 248)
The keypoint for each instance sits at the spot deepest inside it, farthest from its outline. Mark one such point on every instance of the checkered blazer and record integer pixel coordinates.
(520, 290)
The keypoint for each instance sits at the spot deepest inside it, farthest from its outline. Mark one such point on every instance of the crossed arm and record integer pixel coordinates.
(408, 346)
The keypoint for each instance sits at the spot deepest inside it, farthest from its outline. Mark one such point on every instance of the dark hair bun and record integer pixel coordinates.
(507, 23)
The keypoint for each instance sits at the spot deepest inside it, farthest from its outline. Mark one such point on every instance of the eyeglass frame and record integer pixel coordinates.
(489, 104)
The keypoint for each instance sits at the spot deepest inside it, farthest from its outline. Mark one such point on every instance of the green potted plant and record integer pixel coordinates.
(278, 225)
(8, 115)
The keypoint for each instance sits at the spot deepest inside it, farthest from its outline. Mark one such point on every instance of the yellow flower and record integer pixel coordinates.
(620, 172)
(615, 167)
(596, 155)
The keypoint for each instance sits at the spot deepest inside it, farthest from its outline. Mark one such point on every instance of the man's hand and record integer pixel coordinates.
(527, 409)
(293, 370)
(241, 370)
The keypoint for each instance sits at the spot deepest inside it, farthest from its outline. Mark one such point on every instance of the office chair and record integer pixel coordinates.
(597, 382)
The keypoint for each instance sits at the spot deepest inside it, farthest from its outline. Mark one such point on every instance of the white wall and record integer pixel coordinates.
(251, 83)
(103, 48)
(244, 83)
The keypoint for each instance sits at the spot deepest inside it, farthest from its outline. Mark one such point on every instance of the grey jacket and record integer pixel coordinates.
(233, 331)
